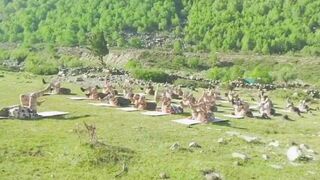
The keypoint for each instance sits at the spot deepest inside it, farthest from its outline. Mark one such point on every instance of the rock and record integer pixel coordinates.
(163, 175)
(293, 153)
(79, 79)
(213, 176)
(194, 145)
(101, 79)
(250, 139)
(240, 156)
(233, 133)
(275, 166)
(265, 157)
(274, 143)
(301, 153)
(237, 163)
(175, 146)
(222, 141)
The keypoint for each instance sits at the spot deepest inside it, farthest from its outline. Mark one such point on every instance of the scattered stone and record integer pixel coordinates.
(293, 153)
(194, 145)
(101, 79)
(301, 153)
(233, 133)
(213, 176)
(164, 175)
(222, 141)
(241, 156)
(265, 157)
(175, 146)
(250, 139)
(79, 79)
(237, 163)
(275, 166)
(274, 143)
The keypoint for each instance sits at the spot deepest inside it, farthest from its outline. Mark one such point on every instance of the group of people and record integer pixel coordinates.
(202, 109)
(29, 102)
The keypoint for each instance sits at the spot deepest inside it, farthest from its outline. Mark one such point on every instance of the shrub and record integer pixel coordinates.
(177, 47)
(178, 62)
(70, 62)
(216, 73)
(43, 66)
(4, 55)
(261, 74)
(132, 64)
(19, 54)
(286, 74)
(150, 74)
(135, 42)
(193, 63)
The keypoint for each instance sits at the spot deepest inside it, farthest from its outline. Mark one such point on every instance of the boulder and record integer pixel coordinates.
(175, 146)
(250, 139)
(194, 145)
(213, 176)
(274, 143)
(241, 156)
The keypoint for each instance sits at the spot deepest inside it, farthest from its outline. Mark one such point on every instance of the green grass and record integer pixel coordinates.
(51, 148)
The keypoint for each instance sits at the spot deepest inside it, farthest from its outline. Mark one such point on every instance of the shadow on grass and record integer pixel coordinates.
(68, 118)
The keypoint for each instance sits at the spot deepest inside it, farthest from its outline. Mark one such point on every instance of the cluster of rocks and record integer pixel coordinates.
(242, 83)
(313, 93)
(149, 40)
(300, 152)
(13, 65)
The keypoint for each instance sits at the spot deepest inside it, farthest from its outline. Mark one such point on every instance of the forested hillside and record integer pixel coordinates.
(264, 26)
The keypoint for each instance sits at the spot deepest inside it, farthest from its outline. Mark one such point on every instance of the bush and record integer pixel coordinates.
(42, 66)
(19, 54)
(4, 55)
(177, 47)
(216, 73)
(132, 64)
(261, 74)
(178, 62)
(70, 62)
(150, 74)
(193, 63)
(135, 42)
(286, 74)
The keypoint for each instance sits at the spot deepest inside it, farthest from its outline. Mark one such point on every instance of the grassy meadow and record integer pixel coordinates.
(57, 148)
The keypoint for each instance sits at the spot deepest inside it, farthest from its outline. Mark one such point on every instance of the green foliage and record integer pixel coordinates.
(177, 47)
(286, 74)
(132, 64)
(216, 73)
(135, 42)
(41, 65)
(19, 54)
(4, 55)
(71, 62)
(268, 26)
(98, 45)
(261, 74)
(179, 62)
(150, 74)
(194, 63)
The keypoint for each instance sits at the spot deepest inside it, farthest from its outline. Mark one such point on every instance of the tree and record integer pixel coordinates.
(98, 46)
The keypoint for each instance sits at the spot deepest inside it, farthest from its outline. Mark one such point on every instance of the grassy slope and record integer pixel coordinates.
(49, 148)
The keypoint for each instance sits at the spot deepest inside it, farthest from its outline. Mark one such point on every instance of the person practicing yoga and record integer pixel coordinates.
(28, 107)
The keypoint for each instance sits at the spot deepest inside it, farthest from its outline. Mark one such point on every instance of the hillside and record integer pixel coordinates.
(268, 27)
